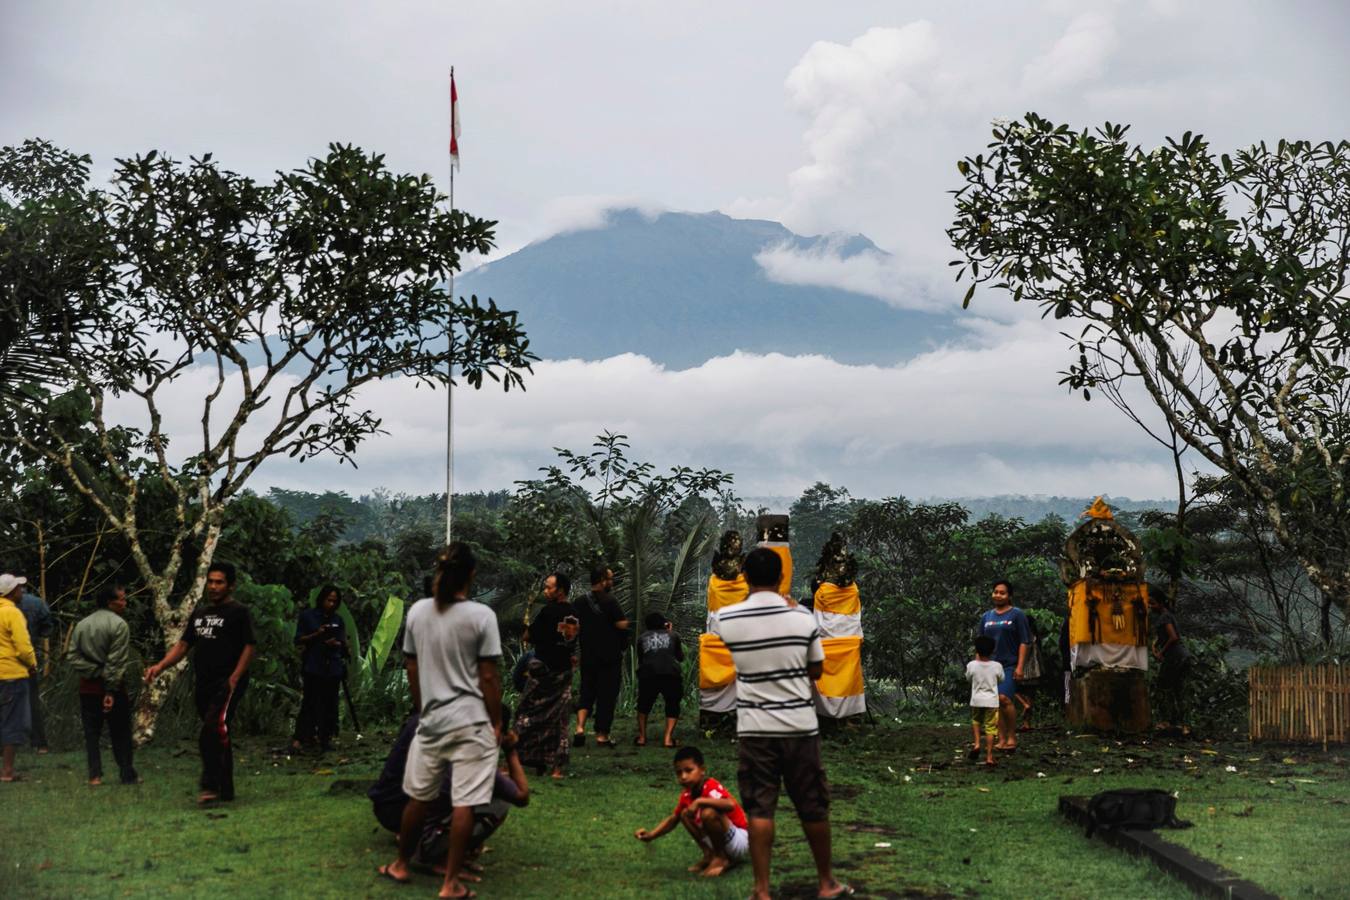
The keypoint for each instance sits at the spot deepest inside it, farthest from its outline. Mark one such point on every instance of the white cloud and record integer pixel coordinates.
(562, 215)
(985, 417)
(867, 272)
(1081, 54)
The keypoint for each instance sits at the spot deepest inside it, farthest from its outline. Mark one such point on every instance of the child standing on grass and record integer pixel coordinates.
(709, 813)
(984, 675)
(659, 656)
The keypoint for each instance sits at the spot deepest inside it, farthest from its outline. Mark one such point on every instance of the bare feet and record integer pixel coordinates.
(395, 871)
(558, 774)
(716, 866)
(95, 781)
(208, 798)
(453, 890)
(701, 864)
(837, 889)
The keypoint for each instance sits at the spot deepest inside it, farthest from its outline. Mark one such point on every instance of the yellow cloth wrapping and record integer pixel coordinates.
(1082, 594)
(843, 667)
(831, 598)
(715, 668)
(724, 593)
(785, 554)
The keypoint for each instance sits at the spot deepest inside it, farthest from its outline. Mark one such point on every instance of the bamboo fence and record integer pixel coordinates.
(1299, 703)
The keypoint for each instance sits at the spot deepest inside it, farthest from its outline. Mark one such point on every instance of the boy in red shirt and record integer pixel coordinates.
(712, 816)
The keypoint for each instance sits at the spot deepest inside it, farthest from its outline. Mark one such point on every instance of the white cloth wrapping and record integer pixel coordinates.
(1116, 656)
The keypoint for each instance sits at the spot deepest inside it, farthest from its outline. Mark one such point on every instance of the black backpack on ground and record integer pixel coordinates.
(1146, 808)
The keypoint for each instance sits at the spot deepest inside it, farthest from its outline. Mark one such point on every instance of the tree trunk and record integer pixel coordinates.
(151, 699)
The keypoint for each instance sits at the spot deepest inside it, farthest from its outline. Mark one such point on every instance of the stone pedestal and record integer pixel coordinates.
(1111, 700)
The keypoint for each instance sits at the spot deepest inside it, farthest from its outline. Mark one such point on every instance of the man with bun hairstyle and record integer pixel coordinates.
(451, 645)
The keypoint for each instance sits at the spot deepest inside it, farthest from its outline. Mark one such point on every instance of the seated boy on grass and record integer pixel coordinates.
(709, 813)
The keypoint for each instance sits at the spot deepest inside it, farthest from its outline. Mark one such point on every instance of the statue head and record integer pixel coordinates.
(837, 565)
(727, 559)
(772, 527)
(1103, 549)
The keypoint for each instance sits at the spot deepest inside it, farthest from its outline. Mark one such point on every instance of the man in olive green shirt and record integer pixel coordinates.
(100, 650)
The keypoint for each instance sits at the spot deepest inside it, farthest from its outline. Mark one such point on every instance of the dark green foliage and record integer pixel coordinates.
(1216, 282)
(926, 576)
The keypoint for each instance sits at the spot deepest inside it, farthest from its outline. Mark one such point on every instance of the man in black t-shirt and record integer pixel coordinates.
(221, 634)
(604, 632)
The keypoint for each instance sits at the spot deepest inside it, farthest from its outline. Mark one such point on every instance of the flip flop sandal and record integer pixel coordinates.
(383, 872)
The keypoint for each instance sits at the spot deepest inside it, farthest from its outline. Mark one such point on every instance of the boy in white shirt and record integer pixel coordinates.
(984, 674)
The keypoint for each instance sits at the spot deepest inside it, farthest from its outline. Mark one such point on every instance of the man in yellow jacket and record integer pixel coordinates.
(18, 662)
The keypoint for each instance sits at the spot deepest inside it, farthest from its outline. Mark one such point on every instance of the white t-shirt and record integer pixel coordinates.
(771, 644)
(984, 676)
(448, 644)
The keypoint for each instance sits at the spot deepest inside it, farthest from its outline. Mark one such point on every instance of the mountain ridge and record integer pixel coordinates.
(682, 288)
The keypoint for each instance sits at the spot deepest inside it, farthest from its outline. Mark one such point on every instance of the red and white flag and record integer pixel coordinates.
(454, 124)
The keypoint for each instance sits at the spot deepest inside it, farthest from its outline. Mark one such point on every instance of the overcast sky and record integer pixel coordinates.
(827, 117)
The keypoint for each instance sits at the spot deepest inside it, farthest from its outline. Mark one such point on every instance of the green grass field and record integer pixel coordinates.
(911, 818)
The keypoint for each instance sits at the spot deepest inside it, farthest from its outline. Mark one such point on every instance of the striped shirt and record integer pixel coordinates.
(771, 644)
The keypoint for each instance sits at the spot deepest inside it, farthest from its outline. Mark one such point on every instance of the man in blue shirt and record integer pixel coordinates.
(1007, 625)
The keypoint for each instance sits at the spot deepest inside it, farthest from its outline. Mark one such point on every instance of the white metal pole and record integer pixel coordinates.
(450, 371)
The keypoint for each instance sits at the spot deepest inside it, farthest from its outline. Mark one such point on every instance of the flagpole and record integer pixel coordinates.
(450, 362)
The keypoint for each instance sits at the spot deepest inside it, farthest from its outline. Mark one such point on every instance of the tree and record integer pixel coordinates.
(925, 572)
(1218, 283)
(278, 301)
(655, 530)
(816, 514)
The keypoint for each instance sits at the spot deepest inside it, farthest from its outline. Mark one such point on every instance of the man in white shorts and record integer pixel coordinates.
(451, 645)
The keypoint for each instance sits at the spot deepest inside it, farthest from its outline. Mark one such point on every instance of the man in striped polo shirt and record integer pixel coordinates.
(776, 649)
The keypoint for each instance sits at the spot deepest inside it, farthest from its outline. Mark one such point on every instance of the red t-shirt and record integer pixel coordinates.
(713, 789)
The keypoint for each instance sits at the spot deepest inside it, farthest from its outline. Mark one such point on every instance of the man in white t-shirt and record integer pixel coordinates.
(776, 649)
(451, 645)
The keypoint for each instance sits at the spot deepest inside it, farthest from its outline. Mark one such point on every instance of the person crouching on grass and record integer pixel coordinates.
(709, 813)
(984, 675)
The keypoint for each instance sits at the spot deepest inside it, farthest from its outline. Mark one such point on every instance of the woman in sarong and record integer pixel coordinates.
(544, 715)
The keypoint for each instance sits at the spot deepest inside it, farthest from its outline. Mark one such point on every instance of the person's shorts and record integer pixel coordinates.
(737, 848)
(1008, 686)
(15, 721)
(792, 762)
(668, 687)
(985, 718)
(470, 752)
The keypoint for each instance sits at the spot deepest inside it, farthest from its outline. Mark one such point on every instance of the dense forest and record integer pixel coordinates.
(925, 569)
